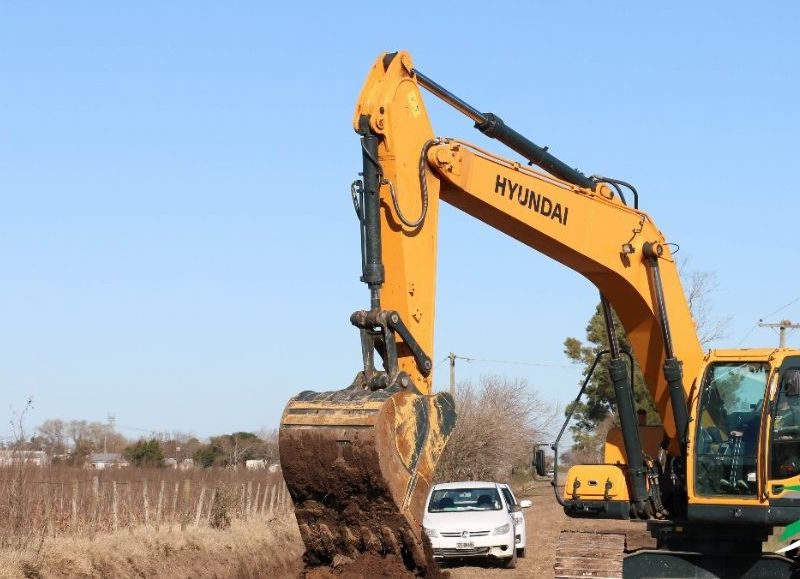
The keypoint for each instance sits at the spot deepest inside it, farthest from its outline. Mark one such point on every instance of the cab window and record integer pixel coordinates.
(731, 399)
(785, 453)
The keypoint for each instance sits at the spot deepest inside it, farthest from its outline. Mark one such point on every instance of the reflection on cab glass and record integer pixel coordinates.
(454, 500)
(727, 432)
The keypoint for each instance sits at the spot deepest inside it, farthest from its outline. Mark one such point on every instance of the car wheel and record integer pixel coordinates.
(521, 553)
(511, 562)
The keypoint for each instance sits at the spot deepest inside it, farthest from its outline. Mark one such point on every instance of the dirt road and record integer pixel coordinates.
(543, 522)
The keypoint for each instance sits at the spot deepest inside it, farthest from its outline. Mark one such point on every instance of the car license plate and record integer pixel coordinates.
(469, 545)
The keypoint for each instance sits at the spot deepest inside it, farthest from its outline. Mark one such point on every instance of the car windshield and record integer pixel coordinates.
(455, 500)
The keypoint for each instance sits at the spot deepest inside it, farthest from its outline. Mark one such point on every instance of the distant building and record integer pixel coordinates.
(32, 457)
(101, 460)
(187, 464)
(262, 463)
(170, 463)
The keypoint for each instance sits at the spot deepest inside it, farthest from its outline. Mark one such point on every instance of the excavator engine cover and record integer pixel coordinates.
(359, 465)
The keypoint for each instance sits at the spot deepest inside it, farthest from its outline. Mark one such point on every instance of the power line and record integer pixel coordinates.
(782, 308)
(782, 326)
(769, 315)
(440, 362)
(514, 362)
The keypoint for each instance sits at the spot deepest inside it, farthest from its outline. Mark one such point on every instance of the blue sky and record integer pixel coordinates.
(174, 181)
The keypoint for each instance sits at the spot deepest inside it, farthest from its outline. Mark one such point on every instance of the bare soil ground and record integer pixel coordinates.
(544, 521)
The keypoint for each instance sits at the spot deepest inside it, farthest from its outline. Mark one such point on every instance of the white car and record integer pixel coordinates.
(473, 519)
(518, 515)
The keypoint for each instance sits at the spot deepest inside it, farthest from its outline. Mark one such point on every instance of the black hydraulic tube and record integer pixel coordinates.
(623, 391)
(608, 319)
(673, 370)
(574, 404)
(372, 264)
(493, 126)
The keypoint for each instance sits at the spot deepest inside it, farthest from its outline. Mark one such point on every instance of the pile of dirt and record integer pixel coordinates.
(367, 565)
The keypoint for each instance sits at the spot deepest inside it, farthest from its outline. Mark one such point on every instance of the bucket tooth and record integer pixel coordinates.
(370, 541)
(352, 540)
(390, 541)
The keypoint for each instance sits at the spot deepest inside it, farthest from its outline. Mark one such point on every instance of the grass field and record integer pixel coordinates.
(72, 522)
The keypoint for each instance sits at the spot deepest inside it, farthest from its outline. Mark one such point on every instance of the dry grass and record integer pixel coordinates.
(262, 548)
(39, 503)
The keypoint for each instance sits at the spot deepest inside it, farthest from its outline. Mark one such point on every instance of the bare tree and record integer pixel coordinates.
(699, 287)
(52, 435)
(499, 422)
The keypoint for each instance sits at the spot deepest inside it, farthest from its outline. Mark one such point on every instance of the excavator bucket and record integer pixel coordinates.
(359, 465)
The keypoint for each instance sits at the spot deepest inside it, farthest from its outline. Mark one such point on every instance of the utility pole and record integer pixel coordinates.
(452, 357)
(782, 326)
(111, 418)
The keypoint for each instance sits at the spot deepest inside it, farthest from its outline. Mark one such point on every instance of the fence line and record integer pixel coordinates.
(104, 504)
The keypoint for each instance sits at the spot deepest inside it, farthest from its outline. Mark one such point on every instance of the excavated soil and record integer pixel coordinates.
(367, 565)
(370, 565)
(345, 512)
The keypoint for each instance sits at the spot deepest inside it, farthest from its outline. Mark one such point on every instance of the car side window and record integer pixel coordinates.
(510, 502)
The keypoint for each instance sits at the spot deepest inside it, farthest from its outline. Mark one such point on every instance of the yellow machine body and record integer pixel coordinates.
(359, 462)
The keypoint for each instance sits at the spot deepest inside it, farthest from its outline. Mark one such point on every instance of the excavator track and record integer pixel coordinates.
(589, 555)
(359, 465)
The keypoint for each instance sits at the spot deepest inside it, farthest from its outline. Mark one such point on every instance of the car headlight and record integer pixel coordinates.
(431, 532)
(502, 530)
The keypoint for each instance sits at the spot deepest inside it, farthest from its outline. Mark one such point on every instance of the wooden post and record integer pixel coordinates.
(211, 504)
(146, 504)
(160, 503)
(95, 497)
(114, 507)
(129, 492)
(249, 503)
(47, 514)
(186, 503)
(61, 505)
(264, 500)
(272, 492)
(174, 505)
(256, 504)
(199, 507)
(241, 501)
(74, 506)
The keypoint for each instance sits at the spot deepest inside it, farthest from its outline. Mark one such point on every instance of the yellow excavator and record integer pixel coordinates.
(710, 484)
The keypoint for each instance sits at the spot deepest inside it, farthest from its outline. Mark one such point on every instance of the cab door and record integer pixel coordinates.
(782, 464)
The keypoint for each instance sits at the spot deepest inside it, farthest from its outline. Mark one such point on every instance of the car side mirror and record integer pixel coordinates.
(525, 503)
(516, 509)
(538, 462)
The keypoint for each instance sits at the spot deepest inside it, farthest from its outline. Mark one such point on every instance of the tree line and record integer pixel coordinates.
(72, 442)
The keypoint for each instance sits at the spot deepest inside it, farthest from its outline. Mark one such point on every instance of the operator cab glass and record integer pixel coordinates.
(785, 454)
(731, 401)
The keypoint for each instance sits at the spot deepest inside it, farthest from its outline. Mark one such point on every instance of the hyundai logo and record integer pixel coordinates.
(465, 534)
